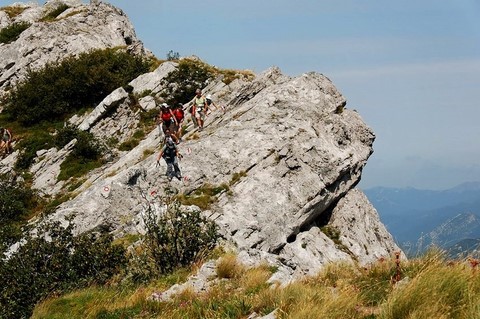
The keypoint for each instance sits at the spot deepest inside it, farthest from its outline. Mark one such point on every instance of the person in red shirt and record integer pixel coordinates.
(166, 119)
(179, 115)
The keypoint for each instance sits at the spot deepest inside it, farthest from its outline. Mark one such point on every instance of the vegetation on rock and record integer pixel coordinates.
(55, 263)
(430, 287)
(191, 74)
(60, 89)
(176, 238)
(50, 16)
(13, 31)
(13, 11)
(16, 204)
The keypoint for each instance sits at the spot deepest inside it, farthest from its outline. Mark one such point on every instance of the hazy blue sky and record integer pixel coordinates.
(411, 68)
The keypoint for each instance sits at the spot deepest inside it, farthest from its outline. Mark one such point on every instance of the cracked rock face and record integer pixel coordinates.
(286, 150)
(78, 29)
(291, 162)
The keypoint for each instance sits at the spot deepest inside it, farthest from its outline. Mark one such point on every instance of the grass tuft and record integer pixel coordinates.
(229, 267)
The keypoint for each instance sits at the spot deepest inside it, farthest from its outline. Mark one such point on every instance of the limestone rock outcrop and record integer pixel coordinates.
(291, 162)
(287, 152)
(78, 29)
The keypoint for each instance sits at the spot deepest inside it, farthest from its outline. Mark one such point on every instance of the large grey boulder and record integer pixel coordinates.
(4, 19)
(153, 81)
(47, 168)
(79, 29)
(360, 228)
(110, 102)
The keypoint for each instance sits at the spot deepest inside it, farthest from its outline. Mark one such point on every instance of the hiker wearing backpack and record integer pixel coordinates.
(179, 115)
(166, 119)
(199, 108)
(169, 134)
(210, 103)
(170, 154)
(6, 141)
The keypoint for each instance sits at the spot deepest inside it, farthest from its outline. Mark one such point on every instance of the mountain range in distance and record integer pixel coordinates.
(418, 219)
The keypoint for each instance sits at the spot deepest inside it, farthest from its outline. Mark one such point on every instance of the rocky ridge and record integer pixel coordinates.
(289, 150)
(78, 29)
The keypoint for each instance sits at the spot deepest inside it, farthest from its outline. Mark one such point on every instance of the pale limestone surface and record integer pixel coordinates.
(79, 29)
(297, 154)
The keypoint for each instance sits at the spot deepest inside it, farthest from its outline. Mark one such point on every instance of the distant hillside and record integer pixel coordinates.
(464, 247)
(417, 218)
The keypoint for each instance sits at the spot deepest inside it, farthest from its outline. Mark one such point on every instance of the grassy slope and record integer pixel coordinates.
(431, 288)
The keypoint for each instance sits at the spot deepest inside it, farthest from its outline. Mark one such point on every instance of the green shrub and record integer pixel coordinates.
(74, 167)
(60, 89)
(181, 83)
(85, 156)
(332, 233)
(173, 55)
(177, 237)
(65, 135)
(129, 144)
(133, 141)
(42, 267)
(87, 146)
(55, 12)
(38, 140)
(16, 202)
(13, 31)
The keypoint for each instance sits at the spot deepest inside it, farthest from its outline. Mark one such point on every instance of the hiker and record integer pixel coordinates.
(191, 110)
(210, 103)
(6, 141)
(170, 154)
(199, 108)
(179, 115)
(165, 119)
(170, 134)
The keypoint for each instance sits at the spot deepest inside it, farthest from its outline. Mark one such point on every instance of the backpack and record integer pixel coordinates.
(170, 150)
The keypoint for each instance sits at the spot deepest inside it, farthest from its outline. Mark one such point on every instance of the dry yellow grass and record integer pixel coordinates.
(229, 267)
(430, 287)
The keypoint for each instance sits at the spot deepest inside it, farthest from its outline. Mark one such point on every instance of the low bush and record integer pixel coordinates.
(133, 141)
(41, 139)
(177, 237)
(182, 82)
(229, 267)
(85, 156)
(16, 203)
(60, 89)
(13, 31)
(55, 12)
(173, 55)
(54, 263)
